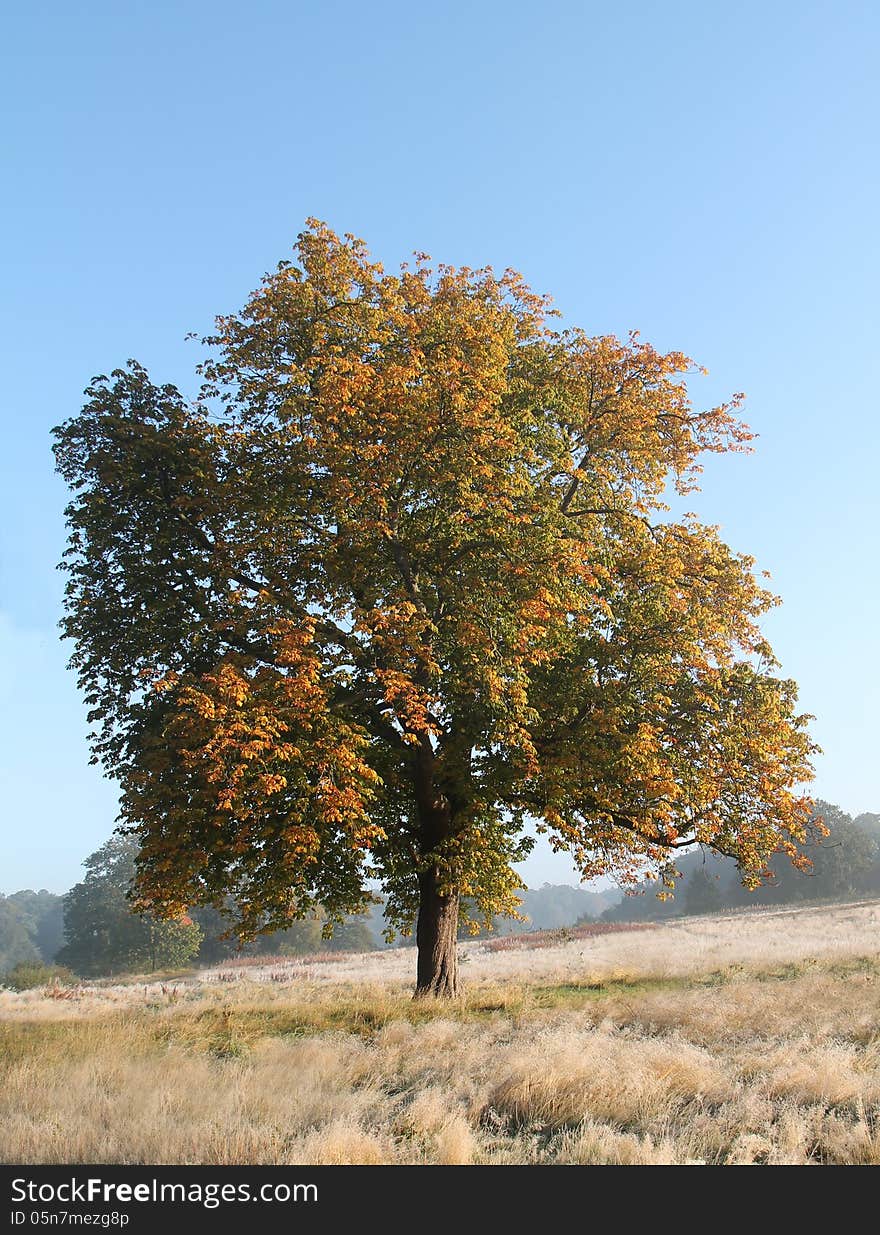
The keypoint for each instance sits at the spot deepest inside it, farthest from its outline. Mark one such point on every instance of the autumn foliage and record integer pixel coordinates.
(400, 580)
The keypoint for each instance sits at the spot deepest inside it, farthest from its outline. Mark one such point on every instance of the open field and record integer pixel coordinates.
(748, 1038)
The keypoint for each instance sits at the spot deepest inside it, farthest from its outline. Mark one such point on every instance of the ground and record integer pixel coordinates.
(752, 1037)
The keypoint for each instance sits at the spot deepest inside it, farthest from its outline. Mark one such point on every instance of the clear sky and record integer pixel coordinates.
(706, 173)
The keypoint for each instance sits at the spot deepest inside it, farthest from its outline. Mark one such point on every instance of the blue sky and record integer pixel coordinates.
(704, 173)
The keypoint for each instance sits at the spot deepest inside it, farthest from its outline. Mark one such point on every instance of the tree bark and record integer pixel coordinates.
(436, 933)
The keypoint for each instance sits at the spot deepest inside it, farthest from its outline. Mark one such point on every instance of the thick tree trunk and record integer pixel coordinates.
(436, 932)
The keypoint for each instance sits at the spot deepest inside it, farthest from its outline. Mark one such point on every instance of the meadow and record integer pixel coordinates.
(749, 1038)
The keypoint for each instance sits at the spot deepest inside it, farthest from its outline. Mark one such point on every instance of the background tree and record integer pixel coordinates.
(104, 936)
(43, 914)
(703, 894)
(352, 935)
(401, 578)
(844, 863)
(30, 927)
(302, 937)
(16, 943)
(216, 944)
(844, 860)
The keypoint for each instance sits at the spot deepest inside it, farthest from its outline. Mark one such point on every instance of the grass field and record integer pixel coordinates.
(745, 1039)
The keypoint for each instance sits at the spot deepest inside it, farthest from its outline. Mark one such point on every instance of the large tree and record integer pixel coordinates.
(399, 580)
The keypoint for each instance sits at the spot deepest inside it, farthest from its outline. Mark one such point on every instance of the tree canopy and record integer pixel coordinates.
(400, 579)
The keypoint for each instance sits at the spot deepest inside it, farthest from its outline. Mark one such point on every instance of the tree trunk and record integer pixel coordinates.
(436, 931)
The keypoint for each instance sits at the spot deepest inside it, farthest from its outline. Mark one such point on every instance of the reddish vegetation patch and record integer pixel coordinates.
(565, 934)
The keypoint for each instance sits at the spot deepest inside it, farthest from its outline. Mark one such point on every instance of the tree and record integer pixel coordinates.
(843, 859)
(30, 927)
(217, 943)
(703, 894)
(16, 944)
(43, 914)
(401, 579)
(103, 934)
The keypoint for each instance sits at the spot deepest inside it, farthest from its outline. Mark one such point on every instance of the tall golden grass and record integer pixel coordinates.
(747, 1039)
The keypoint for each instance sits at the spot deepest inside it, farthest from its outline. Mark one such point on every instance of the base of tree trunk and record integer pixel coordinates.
(436, 939)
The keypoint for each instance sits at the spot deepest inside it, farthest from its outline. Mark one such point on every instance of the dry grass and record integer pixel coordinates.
(746, 1039)
(562, 935)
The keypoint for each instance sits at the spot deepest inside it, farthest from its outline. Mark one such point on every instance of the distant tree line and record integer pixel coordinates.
(31, 928)
(846, 864)
(93, 932)
(551, 907)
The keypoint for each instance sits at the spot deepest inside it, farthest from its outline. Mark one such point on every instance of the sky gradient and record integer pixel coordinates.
(704, 173)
